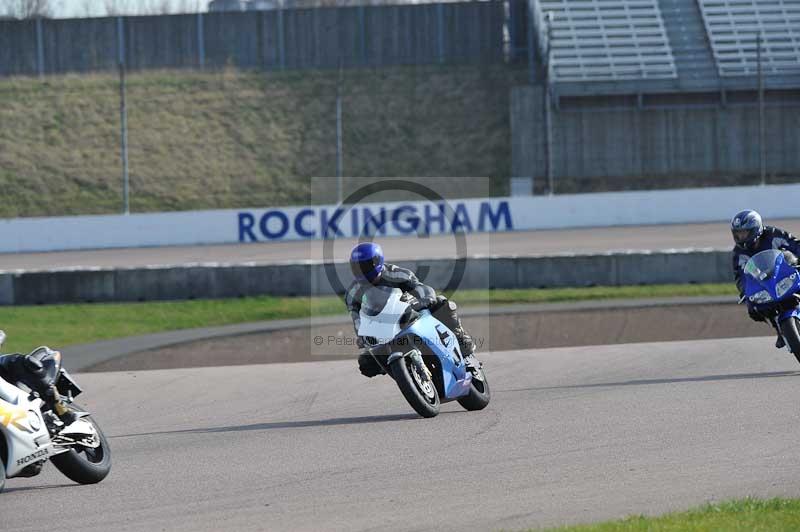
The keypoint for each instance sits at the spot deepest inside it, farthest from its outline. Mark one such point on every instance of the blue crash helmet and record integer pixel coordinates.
(366, 261)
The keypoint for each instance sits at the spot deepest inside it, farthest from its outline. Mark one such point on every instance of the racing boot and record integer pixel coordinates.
(67, 416)
(368, 366)
(60, 408)
(467, 346)
(446, 311)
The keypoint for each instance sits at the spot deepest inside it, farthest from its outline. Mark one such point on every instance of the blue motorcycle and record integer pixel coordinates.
(772, 284)
(420, 353)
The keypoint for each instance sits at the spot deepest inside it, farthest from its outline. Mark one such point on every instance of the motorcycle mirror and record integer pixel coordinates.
(2, 337)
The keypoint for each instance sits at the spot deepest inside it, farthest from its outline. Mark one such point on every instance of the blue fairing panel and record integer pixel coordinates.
(442, 342)
(793, 313)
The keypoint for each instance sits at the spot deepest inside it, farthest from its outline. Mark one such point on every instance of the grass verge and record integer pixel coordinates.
(63, 325)
(739, 515)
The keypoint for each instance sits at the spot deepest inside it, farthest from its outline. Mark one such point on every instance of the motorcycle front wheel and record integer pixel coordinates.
(86, 465)
(416, 386)
(479, 394)
(790, 333)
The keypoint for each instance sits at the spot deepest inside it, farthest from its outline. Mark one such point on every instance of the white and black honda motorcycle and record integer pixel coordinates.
(31, 433)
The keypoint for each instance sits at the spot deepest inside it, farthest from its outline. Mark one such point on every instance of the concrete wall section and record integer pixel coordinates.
(528, 134)
(395, 219)
(652, 207)
(303, 279)
(256, 225)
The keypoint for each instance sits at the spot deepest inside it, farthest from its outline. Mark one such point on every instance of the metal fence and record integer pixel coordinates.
(655, 142)
(367, 36)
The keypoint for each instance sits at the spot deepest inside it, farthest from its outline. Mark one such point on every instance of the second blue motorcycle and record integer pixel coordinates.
(772, 285)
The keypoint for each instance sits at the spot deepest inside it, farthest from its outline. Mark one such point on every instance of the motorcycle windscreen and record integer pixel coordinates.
(383, 315)
(762, 265)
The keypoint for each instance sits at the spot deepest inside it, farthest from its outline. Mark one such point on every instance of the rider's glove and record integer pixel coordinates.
(753, 313)
(412, 301)
(421, 304)
(428, 302)
(360, 342)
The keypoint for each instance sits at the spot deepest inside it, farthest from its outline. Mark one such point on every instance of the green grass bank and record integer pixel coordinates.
(231, 139)
(746, 515)
(63, 325)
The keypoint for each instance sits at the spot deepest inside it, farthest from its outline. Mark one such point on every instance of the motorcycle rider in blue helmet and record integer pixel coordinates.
(370, 269)
(751, 236)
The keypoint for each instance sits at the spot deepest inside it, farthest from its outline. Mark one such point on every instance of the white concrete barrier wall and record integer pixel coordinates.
(394, 219)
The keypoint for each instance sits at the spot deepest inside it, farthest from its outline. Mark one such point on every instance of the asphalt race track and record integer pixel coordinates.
(571, 435)
(522, 243)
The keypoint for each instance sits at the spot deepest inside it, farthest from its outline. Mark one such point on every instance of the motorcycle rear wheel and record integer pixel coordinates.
(89, 466)
(419, 390)
(2, 475)
(789, 331)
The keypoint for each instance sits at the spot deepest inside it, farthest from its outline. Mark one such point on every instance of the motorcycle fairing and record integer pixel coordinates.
(24, 430)
(442, 342)
(381, 313)
(763, 272)
(791, 313)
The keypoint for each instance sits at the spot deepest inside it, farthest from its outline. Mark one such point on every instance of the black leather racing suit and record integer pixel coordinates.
(396, 277)
(19, 369)
(14, 370)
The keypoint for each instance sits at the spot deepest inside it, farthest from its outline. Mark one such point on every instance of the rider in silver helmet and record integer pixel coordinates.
(751, 236)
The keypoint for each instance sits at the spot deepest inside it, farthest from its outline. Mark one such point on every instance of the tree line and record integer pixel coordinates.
(27, 9)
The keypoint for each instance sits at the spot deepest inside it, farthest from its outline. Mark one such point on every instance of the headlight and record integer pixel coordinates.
(34, 421)
(760, 298)
(782, 287)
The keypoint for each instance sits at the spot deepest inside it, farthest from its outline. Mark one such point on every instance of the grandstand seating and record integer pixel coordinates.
(662, 46)
(607, 40)
(733, 25)
(687, 36)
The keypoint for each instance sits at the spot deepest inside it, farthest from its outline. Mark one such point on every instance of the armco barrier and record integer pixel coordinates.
(309, 278)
